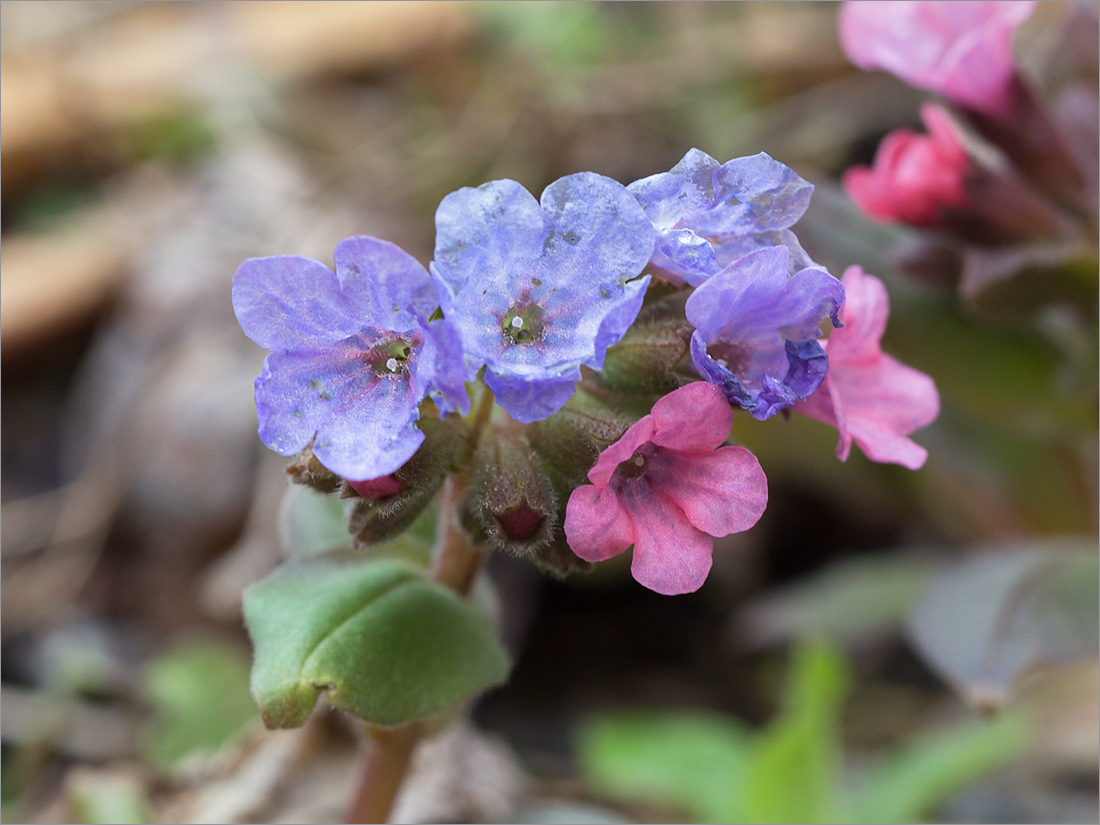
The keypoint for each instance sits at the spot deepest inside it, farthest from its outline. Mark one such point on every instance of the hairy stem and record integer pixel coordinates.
(388, 751)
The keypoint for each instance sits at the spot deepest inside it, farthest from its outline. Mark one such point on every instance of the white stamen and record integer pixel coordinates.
(638, 461)
(517, 322)
(391, 365)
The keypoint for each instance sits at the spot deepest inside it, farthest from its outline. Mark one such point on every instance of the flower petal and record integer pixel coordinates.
(365, 424)
(638, 434)
(596, 525)
(670, 555)
(528, 399)
(695, 418)
(720, 492)
(288, 302)
(385, 284)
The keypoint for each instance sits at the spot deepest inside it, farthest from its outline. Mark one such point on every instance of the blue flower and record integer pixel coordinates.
(757, 328)
(708, 214)
(536, 290)
(352, 354)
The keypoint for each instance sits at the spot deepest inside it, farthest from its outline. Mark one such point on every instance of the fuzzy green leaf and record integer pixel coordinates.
(386, 644)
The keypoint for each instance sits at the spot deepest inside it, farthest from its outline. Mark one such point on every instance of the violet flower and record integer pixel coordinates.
(353, 354)
(915, 178)
(708, 215)
(868, 396)
(666, 487)
(536, 290)
(961, 50)
(757, 328)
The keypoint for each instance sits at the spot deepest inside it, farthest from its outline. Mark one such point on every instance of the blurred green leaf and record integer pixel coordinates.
(794, 766)
(689, 760)
(385, 643)
(108, 799)
(312, 522)
(315, 523)
(912, 783)
(199, 693)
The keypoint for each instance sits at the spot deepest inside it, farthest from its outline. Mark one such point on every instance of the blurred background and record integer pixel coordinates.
(149, 148)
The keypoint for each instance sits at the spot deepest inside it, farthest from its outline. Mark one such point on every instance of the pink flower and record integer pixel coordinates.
(867, 395)
(666, 487)
(915, 177)
(961, 50)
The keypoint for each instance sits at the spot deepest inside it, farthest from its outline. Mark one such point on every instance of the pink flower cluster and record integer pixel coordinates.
(961, 50)
(916, 178)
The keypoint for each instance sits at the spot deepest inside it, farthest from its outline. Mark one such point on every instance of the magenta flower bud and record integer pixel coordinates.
(511, 498)
(387, 505)
(868, 396)
(916, 178)
(665, 488)
(961, 50)
(376, 488)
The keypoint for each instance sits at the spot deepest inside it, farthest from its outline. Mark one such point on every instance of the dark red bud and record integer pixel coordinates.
(376, 488)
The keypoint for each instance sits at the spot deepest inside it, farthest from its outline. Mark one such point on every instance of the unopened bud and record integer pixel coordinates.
(511, 500)
(653, 352)
(386, 506)
(304, 468)
(378, 488)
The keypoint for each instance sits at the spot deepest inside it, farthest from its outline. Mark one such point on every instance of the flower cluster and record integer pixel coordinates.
(525, 298)
(1007, 174)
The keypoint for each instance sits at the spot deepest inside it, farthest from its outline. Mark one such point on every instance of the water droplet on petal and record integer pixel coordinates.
(391, 365)
(517, 323)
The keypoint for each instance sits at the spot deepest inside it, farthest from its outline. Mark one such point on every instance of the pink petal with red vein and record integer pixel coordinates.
(670, 555)
(695, 418)
(596, 524)
(719, 493)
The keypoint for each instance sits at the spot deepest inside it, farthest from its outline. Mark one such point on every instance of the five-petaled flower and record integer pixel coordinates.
(757, 328)
(667, 487)
(868, 396)
(916, 179)
(708, 214)
(961, 50)
(538, 289)
(352, 354)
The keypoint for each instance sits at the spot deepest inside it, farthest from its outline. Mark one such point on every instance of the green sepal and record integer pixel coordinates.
(652, 357)
(385, 643)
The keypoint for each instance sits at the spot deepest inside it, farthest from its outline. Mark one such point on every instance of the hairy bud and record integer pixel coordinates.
(386, 506)
(570, 440)
(511, 499)
(653, 352)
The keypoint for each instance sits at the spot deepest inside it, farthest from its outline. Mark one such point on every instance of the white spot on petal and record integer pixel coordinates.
(517, 322)
(391, 365)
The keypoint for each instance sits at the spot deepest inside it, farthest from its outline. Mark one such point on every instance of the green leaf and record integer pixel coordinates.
(386, 644)
(312, 522)
(199, 692)
(102, 797)
(691, 761)
(794, 767)
(911, 784)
